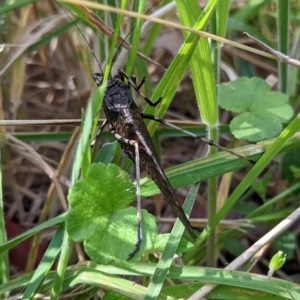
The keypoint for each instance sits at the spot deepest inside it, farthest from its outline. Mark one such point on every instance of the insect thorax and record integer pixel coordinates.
(117, 96)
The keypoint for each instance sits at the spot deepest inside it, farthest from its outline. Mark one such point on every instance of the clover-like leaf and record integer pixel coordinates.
(262, 111)
(99, 215)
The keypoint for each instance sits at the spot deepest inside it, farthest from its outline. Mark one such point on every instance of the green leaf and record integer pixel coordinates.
(260, 186)
(262, 111)
(286, 243)
(117, 239)
(295, 171)
(96, 197)
(107, 152)
(250, 10)
(99, 217)
(234, 247)
(290, 164)
(244, 207)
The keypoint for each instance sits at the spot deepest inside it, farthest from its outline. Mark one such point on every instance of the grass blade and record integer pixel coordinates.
(166, 259)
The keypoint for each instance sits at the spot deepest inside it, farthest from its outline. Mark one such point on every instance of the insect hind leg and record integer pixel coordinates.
(138, 190)
(203, 139)
(133, 78)
(132, 82)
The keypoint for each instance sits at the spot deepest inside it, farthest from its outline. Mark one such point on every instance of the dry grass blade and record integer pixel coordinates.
(29, 37)
(77, 122)
(281, 57)
(71, 122)
(99, 24)
(173, 25)
(36, 158)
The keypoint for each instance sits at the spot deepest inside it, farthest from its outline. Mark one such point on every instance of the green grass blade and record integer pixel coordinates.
(222, 17)
(204, 84)
(66, 245)
(243, 284)
(250, 10)
(166, 259)
(201, 65)
(218, 27)
(113, 283)
(22, 237)
(85, 140)
(136, 38)
(4, 265)
(18, 4)
(264, 208)
(99, 275)
(283, 25)
(170, 81)
(45, 265)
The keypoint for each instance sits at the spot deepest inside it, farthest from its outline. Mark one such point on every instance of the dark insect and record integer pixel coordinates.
(126, 123)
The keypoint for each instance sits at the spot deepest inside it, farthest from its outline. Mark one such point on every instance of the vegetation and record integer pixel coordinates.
(244, 89)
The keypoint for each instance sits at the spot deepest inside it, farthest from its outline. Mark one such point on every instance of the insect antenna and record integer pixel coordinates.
(91, 49)
(85, 39)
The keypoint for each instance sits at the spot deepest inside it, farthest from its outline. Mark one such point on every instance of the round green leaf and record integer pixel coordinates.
(94, 199)
(99, 217)
(118, 239)
(261, 110)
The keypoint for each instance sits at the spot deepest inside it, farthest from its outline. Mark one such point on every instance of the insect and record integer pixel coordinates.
(126, 124)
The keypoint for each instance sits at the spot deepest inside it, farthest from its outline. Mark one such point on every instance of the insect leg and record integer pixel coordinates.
(96, 78)
(98, 133)
(132, 82)
(203, 139)
(138, 190)
(133, 79)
